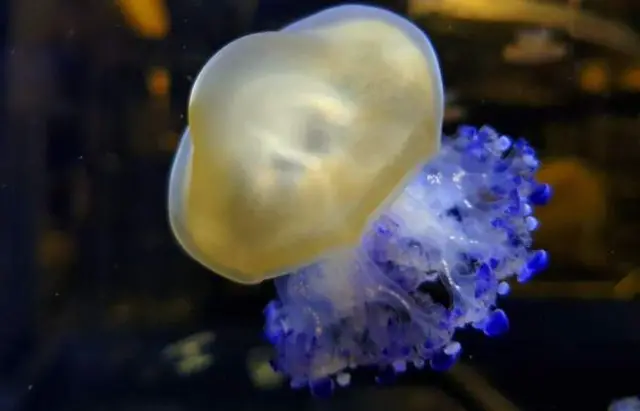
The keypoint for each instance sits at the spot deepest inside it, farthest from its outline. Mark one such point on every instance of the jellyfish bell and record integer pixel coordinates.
(297, 138)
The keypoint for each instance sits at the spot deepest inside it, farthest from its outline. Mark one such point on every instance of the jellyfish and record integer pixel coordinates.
(314, 158)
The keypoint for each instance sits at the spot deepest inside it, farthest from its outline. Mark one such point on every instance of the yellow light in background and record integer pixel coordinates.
(55, 249)
(167, 142)
(149, 18)
(594, 77)
(158, 81)
(630, 80)
(629, 286)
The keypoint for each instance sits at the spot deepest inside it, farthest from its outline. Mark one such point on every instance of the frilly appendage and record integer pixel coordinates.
(434, 262)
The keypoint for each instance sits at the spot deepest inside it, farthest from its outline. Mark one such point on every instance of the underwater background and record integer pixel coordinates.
(100, 308)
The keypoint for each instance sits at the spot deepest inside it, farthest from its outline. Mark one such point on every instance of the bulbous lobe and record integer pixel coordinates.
(297, 138)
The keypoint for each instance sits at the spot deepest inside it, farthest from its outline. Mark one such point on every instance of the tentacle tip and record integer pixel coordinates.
(496, 324)
(541, 195)
(443, 362)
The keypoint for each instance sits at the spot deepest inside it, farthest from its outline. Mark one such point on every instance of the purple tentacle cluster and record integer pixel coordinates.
(432, 263)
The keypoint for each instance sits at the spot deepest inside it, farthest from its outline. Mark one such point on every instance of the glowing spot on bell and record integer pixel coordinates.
(297, 138)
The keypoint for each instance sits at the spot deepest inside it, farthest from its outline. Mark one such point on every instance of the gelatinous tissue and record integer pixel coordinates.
(296, 138)
(384, 241)
(434, 262)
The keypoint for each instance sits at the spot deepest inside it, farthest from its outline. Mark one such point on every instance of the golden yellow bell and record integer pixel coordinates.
(296, 138)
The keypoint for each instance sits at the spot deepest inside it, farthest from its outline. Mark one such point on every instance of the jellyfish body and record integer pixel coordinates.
(316, 152)
(434, 262)
(298, 138)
